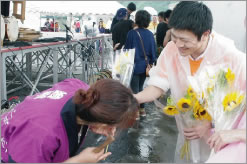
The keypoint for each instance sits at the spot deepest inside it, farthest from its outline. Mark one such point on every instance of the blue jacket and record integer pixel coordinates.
(133, 41)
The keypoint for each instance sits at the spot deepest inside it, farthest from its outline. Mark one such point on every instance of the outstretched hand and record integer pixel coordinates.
(88, 156)
(220, 139)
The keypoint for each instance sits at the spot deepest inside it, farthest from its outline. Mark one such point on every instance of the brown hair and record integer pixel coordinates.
(107, 101)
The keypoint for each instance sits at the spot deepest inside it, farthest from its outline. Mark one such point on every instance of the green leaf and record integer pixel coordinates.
(170, 101)
(221, 79)
(192, 116)
(187, 96)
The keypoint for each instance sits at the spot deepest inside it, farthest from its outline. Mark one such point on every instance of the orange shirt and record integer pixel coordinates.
(194, 65)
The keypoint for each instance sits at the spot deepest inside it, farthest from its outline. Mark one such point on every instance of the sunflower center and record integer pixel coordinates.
(232, 103)
(170, 108)
(185, 105)
(203, 112)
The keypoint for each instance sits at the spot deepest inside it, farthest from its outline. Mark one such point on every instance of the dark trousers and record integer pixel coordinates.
(137, 83)
(5, 8)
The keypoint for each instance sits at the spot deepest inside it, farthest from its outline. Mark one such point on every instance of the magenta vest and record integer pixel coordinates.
(42, 128)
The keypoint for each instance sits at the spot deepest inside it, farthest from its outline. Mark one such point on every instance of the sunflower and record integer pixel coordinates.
(190, 90)
(184, 105)
(191, 93)
(231, 101)
(200, 113)
(170, 110)
(196, 110)
(204, 115)
(230, 76)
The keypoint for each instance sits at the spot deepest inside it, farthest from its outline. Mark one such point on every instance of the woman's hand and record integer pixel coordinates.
(219, 139)
(88, 156)
(116, 46)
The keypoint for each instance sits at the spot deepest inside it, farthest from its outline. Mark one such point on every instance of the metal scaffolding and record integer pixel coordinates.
(35, 65)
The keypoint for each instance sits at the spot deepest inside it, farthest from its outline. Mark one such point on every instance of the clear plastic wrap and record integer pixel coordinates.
(191, 111)
(223, 98)
(123, 65)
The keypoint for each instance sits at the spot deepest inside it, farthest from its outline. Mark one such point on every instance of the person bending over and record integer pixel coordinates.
(44, 127)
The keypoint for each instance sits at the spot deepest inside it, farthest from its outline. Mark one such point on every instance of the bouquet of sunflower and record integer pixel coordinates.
(191, 105)
(191, 110)
(224, 100)
(123, 65)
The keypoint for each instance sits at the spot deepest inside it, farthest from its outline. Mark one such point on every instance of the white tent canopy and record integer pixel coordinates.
(74, 7)
(35, 9)
(151, 10)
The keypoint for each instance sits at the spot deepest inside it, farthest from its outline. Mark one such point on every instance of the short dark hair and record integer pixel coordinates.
(192, 16)
(162, 14)
(142, 18)
(168, 13)
(131, 6)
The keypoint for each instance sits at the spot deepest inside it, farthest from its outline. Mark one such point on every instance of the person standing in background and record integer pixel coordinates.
(101, 26)
(142, 20)
(167, 37)
(161, 32)
(102, 30)
(47, 24)
(56, 27)
(77, 26)
(130, 8)
(121, 29)
(52, 23)
(153, 24)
